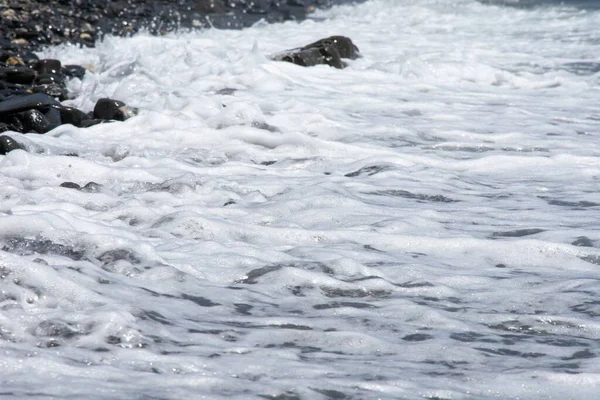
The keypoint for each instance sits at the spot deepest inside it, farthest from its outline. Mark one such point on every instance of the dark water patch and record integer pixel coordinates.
(56, 329)
(267, 163)
(447, 364)
(509, 352)
(292, 345)
(512, 339)
(201, 301)
(417, 337)
(252, 276)
(411, 284)
(371, 248)
(513, 326)
(341, 304)
(590, 308)
(575, 205)
(580, 355)
(281, 396)
(582, 68)
(470, 337)
(567, 367)
(413, 196)
(155, 316)
(332, 394)
(592, 258)
(243, 309)
(561, 342)
(37, 246)
(101, 350)
(226, 91)
(355, 293)
(112, 256)
(518, 232)
(581, 4)
(583, 241)
(434, 302)
(298, 291)
(289, 326)
(458, 147)
(368, 171)
(445, 374)
(264, 126)
(525, 149)
(206, 331)
(365, 279)
(168, 186)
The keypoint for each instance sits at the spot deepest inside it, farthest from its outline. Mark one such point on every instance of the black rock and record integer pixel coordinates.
(304, 58)
(52, 89)
(70, 185)
(70, 115)
(52, 114)
(8, 144)
(342, 44)
(74, 71)
(329, 51)
(22, 103)
(48, 66)
(20, 75)
(34, 121)
(4, 127)
(91, 122)
(45, 79)
(13, 122)
(109, 109)
(91, 187)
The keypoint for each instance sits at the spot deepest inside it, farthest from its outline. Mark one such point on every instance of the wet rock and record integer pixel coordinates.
(342, 44)
(73, 116)
(22, 103)
(52, 89)
(70, 185)
(329, 51)
(8, 144)
(74, 71)
(53, 115)
(90, 187)
(13, 123)
(34, 121)
(46, 79)
(109, 109)
(21, 75)
(48, 66)
(91, 122)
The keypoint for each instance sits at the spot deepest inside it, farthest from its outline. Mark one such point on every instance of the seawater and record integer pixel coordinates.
(423, 224)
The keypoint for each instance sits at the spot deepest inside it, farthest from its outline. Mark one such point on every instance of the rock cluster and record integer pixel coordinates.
(30, 93)
(38, 23)
(31, 89)
(328, 51)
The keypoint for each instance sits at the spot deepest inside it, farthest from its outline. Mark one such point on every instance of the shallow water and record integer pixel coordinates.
(420, 225)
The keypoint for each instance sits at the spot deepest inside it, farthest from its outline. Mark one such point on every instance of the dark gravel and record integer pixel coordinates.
(31, 90)
(32, 24)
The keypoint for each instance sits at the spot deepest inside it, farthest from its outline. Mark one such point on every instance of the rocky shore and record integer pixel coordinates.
(31, 90)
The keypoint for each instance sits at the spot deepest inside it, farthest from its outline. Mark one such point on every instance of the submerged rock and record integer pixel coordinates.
(8, 144)
(109, 109)
(329, 51)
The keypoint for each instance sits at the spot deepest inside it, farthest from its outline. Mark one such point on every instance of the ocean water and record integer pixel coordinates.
(423, 224)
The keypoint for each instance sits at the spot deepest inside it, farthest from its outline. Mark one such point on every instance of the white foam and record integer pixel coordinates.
(420, 224)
